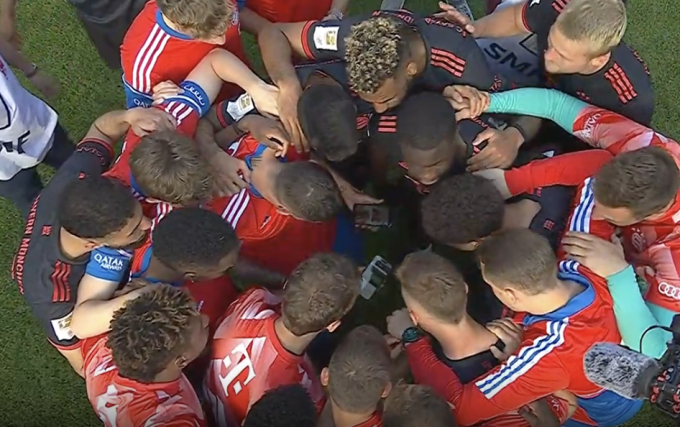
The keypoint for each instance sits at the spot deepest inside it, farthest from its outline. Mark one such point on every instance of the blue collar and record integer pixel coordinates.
(135, 186)
(164, 26)
(574, 306)
(249, 163)
(146, 260)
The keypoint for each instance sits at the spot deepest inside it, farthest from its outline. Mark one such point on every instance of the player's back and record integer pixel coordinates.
(290, 11)
(279, 242)
(122, 402)
(248, 359)
(152, 52)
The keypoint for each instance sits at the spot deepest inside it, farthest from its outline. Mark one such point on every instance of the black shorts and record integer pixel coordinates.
(107, 37)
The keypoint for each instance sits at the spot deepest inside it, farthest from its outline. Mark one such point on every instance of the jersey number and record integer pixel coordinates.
(18, 145)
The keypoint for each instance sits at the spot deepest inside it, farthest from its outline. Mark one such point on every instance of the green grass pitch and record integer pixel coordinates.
(37, 387)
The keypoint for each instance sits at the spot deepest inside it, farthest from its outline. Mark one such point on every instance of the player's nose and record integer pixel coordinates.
(379, 107)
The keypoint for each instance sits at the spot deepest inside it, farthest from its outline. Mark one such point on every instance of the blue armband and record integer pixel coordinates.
(194, 96)
(135, 98)
(108, 264)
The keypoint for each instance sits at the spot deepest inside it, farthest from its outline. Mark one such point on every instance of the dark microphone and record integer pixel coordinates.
(621, 370)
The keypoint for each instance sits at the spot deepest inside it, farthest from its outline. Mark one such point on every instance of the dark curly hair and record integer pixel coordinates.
(193, 237)
(150, 331)
(284, 406)
(425, 121)
(462, 209)
(94, 207)
(308, 191)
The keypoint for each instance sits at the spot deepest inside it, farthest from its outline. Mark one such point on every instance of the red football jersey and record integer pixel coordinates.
(187, 118)
(290, 11)
(278, 242)
(212, 297)
(122, 402)
(248, 359)
(152, 52)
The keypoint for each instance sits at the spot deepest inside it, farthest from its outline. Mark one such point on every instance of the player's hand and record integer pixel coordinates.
(46, 84)
(394, 345)
(143, 121)
(468, 101)
(451, 14)
(231, 174)
(265, 97)
(398, 322)
(539, 414)
(267, 131)
(510, 333)
(500, 150)
(8, 31)
(600, 256)
(288, 114)
(497, 177)
(165, 90)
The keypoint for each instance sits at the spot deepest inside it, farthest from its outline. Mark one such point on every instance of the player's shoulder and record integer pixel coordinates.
(628, 67)
(141, 28)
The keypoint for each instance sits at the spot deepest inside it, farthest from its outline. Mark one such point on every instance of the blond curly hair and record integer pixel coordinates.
(373, 52)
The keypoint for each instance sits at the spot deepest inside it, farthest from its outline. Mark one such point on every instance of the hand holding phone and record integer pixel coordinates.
(372, 215)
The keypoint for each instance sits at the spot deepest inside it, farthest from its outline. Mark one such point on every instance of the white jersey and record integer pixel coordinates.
(516, 58)
(26, 126)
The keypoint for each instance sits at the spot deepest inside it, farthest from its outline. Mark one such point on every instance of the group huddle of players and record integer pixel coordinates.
(202, 277)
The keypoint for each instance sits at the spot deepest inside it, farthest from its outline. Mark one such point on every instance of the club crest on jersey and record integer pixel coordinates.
(326, 38)
(638, 240)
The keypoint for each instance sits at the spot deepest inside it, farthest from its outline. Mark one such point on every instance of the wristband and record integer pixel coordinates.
(521, 130)
(32, 73)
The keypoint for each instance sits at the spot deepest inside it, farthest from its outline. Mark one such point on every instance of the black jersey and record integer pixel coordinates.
(555, 202)
(622, 86)
(48, 279)
(453, 55)
(472, 367)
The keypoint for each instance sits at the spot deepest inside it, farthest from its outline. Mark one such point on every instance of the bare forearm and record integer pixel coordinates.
(529, 125)
(93, 318)
(251, 273)
(276, 56)
(251, 22)
(8, 8)
(112, 126)
(506, 22)
(232, 70)
(340, 5)
(14, 58)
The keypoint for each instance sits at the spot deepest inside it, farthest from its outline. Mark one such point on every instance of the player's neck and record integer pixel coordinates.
(520, 214)
(263, 176)
(465, 339)
(346, 419)
(160, 272)
(171, 24)
(556, 298)
(72, 247)
(170, 374)
(291, 342)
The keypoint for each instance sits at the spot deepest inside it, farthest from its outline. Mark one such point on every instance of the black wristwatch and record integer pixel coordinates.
(410, 335)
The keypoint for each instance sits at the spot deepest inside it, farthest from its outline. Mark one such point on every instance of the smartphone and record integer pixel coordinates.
(372, 215)
(374, 276)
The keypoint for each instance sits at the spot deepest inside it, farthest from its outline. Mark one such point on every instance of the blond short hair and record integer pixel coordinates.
(374, 51)
(168, 166)
(201, 19)
(602, 23)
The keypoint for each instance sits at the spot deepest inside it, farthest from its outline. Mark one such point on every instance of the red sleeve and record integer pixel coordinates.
(567, 169)
(186, 420)
(531, 374)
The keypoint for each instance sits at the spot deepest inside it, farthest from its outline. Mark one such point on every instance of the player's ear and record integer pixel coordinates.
(387, 391)
(411, 69)
(333, 326)
(190, 275)
(283, 211)
(181, 362)
(93, 244)
(324, 377)
(600, 61)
